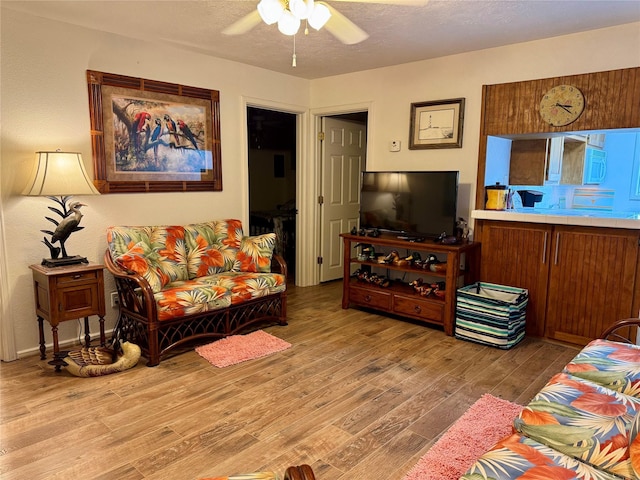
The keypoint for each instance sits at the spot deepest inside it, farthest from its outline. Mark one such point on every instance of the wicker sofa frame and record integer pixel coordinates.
(138, 317)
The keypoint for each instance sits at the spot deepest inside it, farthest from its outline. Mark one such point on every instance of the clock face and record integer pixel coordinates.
(561, 105)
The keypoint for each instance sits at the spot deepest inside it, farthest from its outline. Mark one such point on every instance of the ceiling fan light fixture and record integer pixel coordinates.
(300, 8)
(288, 24)
(270, 11)
(319, 16)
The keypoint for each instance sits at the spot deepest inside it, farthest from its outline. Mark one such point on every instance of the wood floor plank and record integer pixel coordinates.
(358, 396)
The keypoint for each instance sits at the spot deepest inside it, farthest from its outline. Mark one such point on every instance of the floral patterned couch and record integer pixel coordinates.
(583, 424)
(182, 283)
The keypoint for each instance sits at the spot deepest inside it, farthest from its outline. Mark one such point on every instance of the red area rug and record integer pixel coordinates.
(476, 431)
(240, 348)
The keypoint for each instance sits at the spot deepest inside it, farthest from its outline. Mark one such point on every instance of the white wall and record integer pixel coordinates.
(392, 90)
(45, 106)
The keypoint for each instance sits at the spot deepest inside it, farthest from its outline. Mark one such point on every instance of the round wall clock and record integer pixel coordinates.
(562, 105)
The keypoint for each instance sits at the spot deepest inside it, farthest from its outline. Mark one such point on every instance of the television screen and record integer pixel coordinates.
(413, 203)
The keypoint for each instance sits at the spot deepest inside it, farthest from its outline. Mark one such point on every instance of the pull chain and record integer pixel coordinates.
(294, 63)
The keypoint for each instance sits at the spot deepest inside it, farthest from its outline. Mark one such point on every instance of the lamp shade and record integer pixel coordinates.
(59, 174)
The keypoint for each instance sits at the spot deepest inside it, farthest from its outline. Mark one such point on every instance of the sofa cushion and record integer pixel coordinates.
(188, 297)
(517, 456)
(248, 285)
(162, 247)
(141, 260)
(583, 420)
(255, 253)
(212, 246)
(612, 364)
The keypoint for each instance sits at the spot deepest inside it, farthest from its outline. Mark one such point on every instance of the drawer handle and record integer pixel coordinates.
(367, 298)
(417, 309)
(77, 276)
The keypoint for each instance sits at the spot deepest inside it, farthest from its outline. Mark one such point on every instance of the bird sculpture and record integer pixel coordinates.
(53, 250)
(67, 226)
(98, 361)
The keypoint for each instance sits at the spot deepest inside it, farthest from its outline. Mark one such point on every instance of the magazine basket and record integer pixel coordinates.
(491, 314)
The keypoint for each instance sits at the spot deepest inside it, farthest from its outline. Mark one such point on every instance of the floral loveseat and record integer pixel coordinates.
(182, 283)
(583, 424)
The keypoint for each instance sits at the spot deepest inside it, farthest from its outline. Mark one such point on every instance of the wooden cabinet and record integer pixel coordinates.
(68, 293)
(517, 254)
(399, 298)
(573, 155)
(580, 279)
(547, 161)
(528, 159)
(592, 281)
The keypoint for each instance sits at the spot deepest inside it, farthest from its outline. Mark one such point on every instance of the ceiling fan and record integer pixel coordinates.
(290, 13)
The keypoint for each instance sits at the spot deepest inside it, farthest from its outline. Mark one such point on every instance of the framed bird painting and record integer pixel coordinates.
(151, 136)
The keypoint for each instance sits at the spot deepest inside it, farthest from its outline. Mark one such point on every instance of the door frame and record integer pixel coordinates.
(316, 166)
(302, 121)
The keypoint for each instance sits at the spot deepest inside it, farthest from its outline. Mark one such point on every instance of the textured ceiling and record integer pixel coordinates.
(397, 34)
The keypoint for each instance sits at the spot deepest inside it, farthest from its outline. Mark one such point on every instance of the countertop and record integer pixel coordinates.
(586, 218)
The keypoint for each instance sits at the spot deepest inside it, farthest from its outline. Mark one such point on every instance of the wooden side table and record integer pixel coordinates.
(68, 293)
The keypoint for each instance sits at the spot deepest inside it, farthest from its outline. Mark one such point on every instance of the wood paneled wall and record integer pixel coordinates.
(612, 100)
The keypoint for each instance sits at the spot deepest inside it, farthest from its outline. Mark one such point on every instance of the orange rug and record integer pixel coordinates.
(240, 348)
(476, 431)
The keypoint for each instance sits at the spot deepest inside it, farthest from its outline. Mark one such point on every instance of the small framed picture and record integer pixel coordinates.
(436, 124)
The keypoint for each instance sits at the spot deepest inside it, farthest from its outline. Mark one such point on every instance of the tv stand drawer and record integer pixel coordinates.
(415, 306)
(375, 298)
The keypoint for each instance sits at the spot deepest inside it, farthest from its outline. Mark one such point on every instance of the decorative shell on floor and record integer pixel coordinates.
(98, 361)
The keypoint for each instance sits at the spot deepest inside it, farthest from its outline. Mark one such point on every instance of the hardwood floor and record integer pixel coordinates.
(358, 396)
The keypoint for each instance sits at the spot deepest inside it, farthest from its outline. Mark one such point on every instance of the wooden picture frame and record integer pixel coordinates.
(436, 124)
(150, 136)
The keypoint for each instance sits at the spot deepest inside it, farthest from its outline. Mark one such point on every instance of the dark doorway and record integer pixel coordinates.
(272, 179)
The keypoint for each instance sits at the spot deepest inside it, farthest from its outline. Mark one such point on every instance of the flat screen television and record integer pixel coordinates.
(421, 204)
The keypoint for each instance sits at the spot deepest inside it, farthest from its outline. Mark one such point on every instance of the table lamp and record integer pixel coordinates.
(57, 176)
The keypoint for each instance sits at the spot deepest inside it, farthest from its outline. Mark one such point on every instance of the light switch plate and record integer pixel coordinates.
(394, 146)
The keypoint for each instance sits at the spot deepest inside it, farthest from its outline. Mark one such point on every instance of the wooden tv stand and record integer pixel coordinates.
(399, 298)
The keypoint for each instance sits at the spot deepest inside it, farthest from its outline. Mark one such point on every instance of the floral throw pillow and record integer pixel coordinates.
(163, 246)
(140, 259)
(255, 253)
(210, 250)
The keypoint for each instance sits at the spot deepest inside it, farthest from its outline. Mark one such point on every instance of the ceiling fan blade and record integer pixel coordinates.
(344, 29)
(416, 3)
(243, 25)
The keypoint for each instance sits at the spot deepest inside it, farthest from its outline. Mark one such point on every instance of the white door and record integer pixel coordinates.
(343, 158)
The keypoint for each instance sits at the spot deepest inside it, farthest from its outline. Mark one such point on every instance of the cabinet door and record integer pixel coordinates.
(591, 281)
(517, 255)
(527, 162)
(573, 163)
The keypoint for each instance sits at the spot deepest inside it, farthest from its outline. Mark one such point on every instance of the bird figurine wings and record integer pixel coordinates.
(70, 222)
